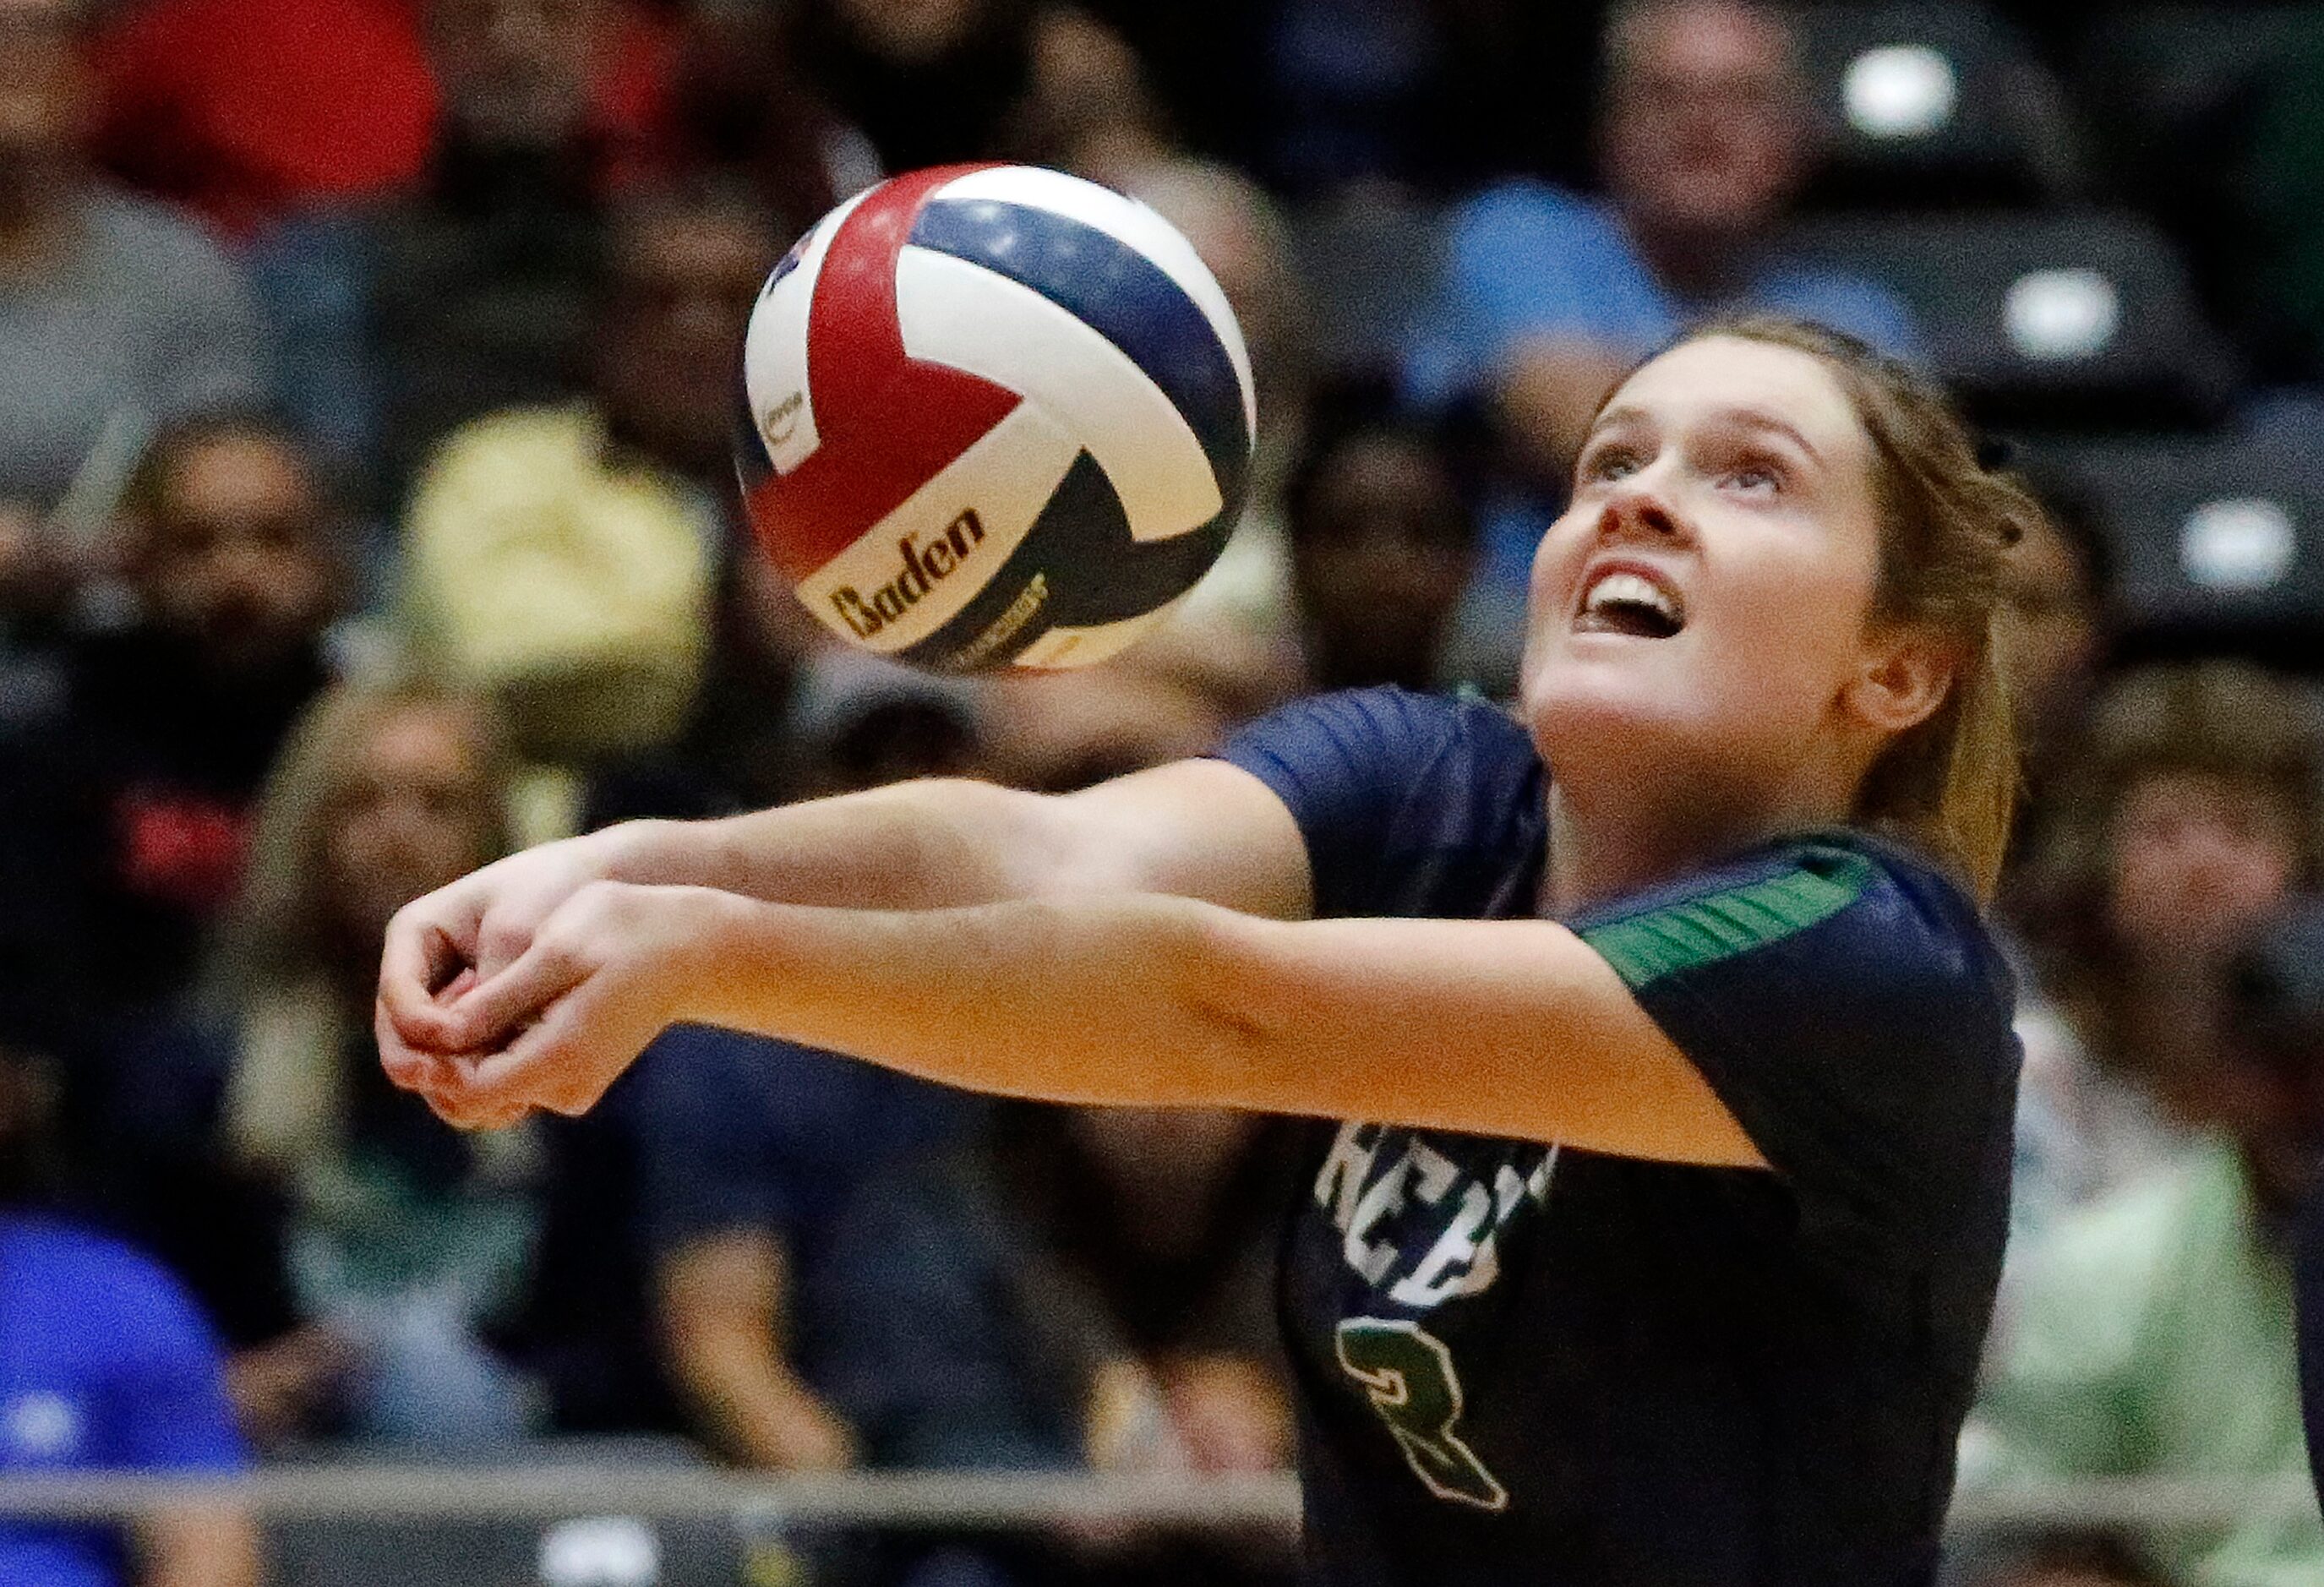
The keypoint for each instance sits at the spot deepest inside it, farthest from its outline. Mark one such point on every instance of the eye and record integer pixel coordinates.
(1754, 477)
(1610, 461)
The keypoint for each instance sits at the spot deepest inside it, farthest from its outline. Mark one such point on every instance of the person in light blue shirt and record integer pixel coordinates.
(105, 1366)
(1549, 295)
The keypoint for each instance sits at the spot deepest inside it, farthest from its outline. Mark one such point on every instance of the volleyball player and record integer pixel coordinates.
(1659, 1233)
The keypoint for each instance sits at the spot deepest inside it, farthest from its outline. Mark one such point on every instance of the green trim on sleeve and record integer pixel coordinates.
(1699, 931)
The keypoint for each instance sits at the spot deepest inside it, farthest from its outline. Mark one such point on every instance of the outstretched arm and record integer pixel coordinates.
(1202, 829)
(1512, 1028)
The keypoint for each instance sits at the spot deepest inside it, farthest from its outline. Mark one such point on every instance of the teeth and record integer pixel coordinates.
(1628, 589)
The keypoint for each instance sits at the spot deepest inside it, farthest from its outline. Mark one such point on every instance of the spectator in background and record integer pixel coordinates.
(1072, 1288)
(930, 82)
(1240, 234)
(1703, 138)
(740, 102)
(1086, 109)
(2058, 591)
(2154, 1333)
(231, 548)
(565, 559)
(1082, 1288)
(750, 1150)
(259, 1148)
(1383, 541)
(2193, 812)
(106, 1367)
(244, 111)
(114, 315)
(401, 320)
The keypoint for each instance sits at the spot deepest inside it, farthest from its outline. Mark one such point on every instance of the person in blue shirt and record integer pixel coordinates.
(1660, 1059)
(1703, 139)
(105, 1365)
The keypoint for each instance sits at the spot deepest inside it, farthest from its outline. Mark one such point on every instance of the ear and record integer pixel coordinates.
(1906, 674)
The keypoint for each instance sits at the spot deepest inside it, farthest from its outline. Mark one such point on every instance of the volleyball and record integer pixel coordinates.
(994, 416)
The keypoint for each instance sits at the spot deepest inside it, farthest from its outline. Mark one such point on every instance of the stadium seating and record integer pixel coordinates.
(2068, 319)
(2218, 538)
(1933, 104)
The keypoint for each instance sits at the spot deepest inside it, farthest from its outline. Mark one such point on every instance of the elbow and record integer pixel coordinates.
(1243, 1007)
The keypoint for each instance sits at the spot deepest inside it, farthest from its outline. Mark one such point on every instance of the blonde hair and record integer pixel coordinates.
(1947, 522)
(285, 1099)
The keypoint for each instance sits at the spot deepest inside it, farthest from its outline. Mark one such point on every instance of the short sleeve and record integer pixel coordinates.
(1849, 1009)
(168, 1405)
(1344, 765)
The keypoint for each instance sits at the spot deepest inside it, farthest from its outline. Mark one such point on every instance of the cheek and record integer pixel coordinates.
(1783, 632)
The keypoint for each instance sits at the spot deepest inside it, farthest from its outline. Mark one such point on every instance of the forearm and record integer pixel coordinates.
(755, 1405)
(1512, 1028)
(1096, 998)
(927, 845)
(200, 1547)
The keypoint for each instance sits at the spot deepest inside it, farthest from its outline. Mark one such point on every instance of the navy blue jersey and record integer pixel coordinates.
(1524, 1364)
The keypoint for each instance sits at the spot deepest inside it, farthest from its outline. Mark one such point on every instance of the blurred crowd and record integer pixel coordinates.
(366, 511)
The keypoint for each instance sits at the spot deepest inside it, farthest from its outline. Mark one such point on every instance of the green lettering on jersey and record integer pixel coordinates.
(1406, 1372)
(1699, 931)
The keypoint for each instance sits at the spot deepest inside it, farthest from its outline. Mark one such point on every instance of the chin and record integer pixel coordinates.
(1587, 711)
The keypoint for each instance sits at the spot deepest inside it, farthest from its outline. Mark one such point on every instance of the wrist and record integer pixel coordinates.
(728, 960)
(647, 853)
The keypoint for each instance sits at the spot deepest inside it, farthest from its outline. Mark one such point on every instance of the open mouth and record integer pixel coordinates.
(1621, 601)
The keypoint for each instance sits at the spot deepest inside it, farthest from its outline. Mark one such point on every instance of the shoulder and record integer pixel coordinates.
(1527, 210)
(1408, 804)
(1849, 901)
(1846, 1001)
(1363, 754)
(140, 237)
(95, 1276)
(1387, 726)
(1848, 301)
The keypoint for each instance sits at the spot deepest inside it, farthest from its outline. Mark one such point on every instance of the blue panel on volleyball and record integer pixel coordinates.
(1118, 292)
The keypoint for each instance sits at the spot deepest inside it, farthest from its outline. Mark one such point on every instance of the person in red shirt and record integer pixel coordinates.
(247, 110)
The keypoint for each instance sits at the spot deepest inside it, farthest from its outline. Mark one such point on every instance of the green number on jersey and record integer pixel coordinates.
(1407, 1373)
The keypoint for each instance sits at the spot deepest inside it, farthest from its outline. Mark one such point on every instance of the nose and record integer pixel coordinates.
(1636, 511)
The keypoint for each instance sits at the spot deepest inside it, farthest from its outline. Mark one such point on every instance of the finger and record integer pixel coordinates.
(424, 952)
(494, 1010)
(457, 1107)
(550, 1065)
(410, 1068)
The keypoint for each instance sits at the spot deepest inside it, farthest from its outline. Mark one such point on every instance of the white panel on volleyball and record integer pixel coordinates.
(972, 318)
(1133, 223)
(1085, 647)
(1006, 474)
(774, 353)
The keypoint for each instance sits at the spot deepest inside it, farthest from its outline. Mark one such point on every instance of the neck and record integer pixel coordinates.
(1606, 842)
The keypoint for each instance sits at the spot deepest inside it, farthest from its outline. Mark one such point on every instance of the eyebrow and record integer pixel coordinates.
(1748, 418)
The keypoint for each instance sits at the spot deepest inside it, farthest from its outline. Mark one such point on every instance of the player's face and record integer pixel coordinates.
(1701, 605)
